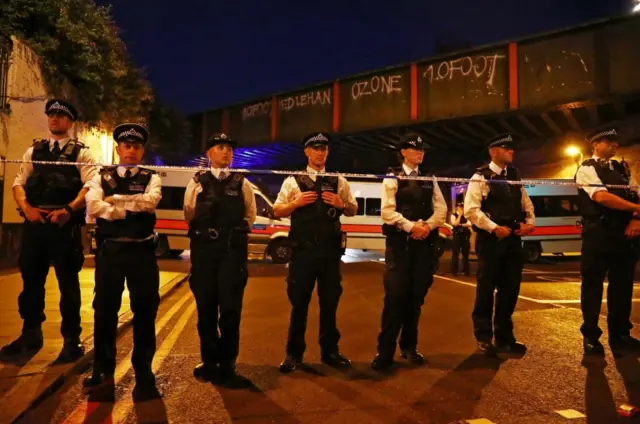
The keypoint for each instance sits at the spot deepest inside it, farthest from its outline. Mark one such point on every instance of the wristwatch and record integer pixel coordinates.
(68, 208)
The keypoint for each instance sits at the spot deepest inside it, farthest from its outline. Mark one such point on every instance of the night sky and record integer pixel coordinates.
(202, 54)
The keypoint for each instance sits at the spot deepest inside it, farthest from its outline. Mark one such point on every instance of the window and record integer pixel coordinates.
(549, 206)
(360, 201)
(6, 45)
(264, 209)
(172, 198)
(373, 207)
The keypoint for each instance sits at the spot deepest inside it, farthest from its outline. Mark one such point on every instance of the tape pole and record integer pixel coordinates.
(459, 180)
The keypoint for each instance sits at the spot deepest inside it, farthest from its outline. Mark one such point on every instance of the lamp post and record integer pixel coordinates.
(575, 153)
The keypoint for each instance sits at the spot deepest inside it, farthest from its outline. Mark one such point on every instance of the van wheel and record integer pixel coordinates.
(162, 249)
(532, 251)
(280, 251)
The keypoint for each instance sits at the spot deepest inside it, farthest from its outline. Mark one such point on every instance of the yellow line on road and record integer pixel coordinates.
(84, 409)
(122, 409)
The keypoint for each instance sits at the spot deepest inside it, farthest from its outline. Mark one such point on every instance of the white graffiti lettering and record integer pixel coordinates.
(383, 84)
(256, 110)
(483, 66)
(312, 98)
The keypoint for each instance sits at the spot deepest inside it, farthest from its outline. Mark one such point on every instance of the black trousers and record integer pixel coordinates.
(500, 264)
(43, 245)
(407, 278)
(135, 262)
(218, 279)
(606, 253)
(461, 244)
(308, 265)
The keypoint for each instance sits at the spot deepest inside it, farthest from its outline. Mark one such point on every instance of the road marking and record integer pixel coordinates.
(535, 271)
(122, 409)
(570, 414)
(531, 299)
(85, 409)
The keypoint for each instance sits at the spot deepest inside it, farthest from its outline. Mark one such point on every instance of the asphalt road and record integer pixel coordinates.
(548, 383)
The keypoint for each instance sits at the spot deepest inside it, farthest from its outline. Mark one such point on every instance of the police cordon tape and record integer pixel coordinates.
(193, 169)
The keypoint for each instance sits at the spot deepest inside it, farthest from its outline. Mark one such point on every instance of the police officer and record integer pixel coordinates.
(51, 198)
(315, 204)
(611, 220)
(501, 214)
(220, 207)
(412, 211)
(461, 240)
(123, 200)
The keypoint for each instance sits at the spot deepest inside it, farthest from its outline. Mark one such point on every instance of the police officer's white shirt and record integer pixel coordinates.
(290, 189)
(477, 191)
(84, 156)
(194, 188)
(588, 175)
(391, 216)
(142, 202)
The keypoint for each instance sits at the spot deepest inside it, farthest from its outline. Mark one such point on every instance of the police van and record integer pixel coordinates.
(557, 228)
(268, 236)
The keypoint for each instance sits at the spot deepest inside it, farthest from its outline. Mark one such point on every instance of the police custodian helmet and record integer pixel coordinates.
(503, 140)
(220, 138)
(131, 133)
(60, 106)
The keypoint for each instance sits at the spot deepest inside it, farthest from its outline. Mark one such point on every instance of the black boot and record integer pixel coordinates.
(30, 341)
(72, 350)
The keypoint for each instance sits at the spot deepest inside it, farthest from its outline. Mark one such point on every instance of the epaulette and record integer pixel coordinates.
(39, 141)
(79, 143)
(109, 168)
(146, 171)
(589, 162)
(395, 170)
(196, 177)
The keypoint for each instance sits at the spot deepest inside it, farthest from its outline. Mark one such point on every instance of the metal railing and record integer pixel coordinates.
(6, 45)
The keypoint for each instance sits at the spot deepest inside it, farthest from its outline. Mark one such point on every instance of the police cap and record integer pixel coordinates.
(603, 134)
(316, 139)
(131, 133)
(220, 138)
(60, 106)
(502, 140)
(412, 142)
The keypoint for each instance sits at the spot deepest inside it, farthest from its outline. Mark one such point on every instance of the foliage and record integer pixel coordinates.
(170, 132)
(78, 41)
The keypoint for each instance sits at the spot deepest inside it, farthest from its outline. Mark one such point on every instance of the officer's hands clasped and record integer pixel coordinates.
(502, 232)
(633, 229)
(420, 231)
(525, 230)
(332, 199)
(306, 198)
(59, 216)
(35, 214)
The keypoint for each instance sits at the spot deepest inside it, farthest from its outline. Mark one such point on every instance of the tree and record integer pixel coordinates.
(169, 132)
(79, 43)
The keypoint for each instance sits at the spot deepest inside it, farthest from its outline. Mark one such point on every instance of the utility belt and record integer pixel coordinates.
(315, 240)
(512, 224)
(217, 234)
(459, 230)
(151, 240)
(605, 222)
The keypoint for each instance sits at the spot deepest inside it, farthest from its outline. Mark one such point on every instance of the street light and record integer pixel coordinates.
(636, 7)
(575, 153)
